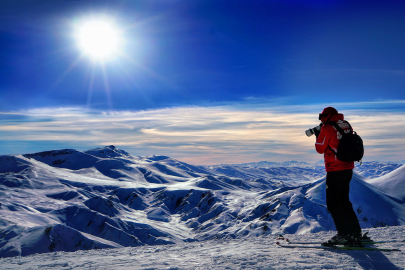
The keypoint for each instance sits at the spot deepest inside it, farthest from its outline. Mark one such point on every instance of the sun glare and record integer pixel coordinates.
(99, 39)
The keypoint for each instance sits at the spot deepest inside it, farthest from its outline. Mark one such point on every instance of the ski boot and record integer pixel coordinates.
(353, 240)
(366, 238)
(335, 240)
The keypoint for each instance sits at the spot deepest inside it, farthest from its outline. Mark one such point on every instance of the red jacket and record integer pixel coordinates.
(329, 136)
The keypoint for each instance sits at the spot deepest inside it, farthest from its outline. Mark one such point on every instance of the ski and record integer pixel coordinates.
(365, 242)
(338, 247)
(370, 242)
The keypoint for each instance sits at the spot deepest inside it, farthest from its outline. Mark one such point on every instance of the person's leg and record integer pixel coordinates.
(338, 202)
(333, 191)
(349, 220)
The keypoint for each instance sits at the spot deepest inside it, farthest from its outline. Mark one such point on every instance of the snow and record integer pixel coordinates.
(157, 212)
(376, 169)
(248, 253)
(392, 183)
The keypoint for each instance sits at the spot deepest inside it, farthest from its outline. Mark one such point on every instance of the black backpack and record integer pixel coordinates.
(350, 147)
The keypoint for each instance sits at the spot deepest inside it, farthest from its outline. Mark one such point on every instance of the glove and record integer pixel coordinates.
(318, 130)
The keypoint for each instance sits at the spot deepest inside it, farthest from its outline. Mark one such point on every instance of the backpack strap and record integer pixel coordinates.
(341, 131)
(332, 150)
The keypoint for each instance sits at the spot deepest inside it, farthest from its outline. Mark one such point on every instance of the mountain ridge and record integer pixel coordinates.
(105, 197)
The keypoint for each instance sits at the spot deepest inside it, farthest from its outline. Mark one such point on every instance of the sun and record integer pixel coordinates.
(99, 39)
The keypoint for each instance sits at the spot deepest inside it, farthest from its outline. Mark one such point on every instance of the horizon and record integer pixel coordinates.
(320, 161)
(205, 82)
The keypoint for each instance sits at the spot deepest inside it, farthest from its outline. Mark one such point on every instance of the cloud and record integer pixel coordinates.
(232, 133)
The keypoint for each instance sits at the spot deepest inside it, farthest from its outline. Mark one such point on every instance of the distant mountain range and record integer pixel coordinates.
(67, 200)
(293, 163)
(370, 169)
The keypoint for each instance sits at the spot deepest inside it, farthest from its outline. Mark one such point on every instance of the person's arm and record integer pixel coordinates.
(322, 141)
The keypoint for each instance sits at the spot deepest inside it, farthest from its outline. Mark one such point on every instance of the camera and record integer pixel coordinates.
(311, 131)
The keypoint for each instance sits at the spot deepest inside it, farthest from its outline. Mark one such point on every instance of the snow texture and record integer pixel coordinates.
(248, 253)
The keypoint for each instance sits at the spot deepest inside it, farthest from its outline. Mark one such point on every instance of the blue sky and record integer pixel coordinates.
(193, 77)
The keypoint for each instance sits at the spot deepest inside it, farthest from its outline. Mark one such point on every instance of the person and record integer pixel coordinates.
(338, 177)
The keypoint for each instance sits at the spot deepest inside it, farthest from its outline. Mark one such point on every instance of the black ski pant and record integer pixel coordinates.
(338, 203)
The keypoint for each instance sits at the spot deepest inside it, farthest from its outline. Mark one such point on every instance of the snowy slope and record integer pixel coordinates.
(282, 175)
(392, 183)
(67, 200)
(248, 253)
(373, 208)
(376, 169)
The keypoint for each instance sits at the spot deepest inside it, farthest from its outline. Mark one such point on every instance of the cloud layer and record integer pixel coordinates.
(204, 135)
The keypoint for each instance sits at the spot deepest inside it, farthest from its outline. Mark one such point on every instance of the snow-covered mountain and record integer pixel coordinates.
(266, 164)
(376, 169)
(392, 183)
(67, 200)
(371, 169)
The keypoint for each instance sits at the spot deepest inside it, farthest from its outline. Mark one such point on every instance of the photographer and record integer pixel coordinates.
(338, 177)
